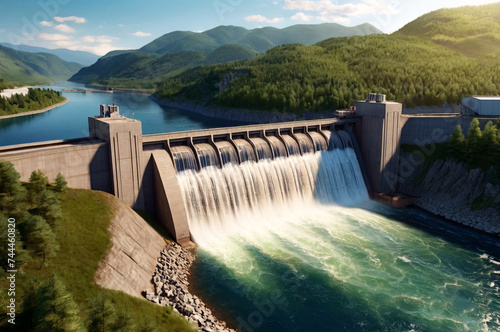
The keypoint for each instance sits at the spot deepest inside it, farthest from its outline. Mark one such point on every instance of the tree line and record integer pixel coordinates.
(481, 148)
(35, 99)
(336, 73)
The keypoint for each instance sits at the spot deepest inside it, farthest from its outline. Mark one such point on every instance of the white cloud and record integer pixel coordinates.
(98, 39)
(53, 37)
(263, 19)
(70, 18)
(329, 11)
(100, 49)
(46, 24)
(64, 28)
(334, 18)
(301, 17)
(141, 34)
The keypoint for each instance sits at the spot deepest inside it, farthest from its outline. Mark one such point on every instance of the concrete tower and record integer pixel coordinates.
(124, 137)
(378, 135)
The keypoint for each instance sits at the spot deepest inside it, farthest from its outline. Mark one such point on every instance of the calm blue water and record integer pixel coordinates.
(70, 120)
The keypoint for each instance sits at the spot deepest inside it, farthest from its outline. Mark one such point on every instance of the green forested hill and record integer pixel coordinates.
(471, 30)
(335, 73)
(259, 40)
(168, 55)
(23, 68)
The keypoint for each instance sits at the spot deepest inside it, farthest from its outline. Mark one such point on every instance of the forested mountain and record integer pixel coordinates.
(335, 73)
(471, 30)
(80, 57)
(23, 68)
(167, 55)
(259, 40)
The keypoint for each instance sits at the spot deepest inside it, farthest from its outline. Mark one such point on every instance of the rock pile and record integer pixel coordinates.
(171, 289)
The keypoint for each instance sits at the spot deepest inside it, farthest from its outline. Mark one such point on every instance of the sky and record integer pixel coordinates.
(100, 26)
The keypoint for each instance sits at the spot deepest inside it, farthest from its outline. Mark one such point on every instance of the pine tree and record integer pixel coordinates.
(37, 184)
(29, 316)
(21, 255)
(12, 193)
(473, 137)
(488, 141)
(456, 145)
(40, 239)
(59, 311)
(101, 314)
(61, 184)
(49, 207)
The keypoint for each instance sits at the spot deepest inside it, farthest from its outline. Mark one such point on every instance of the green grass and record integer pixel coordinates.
(84, 239)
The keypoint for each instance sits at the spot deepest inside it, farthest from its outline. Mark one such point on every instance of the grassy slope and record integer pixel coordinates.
(471, 30)
(84, 239)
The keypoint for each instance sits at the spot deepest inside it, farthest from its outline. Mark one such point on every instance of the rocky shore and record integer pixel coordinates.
(170, 281)
(449, 189)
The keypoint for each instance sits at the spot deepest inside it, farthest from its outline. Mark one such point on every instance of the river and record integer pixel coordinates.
(70, 120)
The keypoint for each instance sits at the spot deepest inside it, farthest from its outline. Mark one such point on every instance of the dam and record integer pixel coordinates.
(273, 253)
(142, 170)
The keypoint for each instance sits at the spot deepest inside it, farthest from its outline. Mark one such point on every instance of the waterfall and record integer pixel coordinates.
(218, 199)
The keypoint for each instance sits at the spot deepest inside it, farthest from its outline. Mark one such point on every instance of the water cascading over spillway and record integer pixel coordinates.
(274, 255)
(218, 198)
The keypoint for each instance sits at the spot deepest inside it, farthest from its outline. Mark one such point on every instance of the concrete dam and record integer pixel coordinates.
(208, 176)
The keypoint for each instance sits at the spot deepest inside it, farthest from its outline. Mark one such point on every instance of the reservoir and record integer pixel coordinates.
(316, 257)
(70, 120)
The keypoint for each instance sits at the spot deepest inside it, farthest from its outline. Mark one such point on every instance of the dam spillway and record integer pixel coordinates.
(213, 177)
(217, 198)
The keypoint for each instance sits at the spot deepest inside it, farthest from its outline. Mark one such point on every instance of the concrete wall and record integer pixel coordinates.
(449, 109)
(84, 163)
(170, 209)
(425, 130)
(131, 261)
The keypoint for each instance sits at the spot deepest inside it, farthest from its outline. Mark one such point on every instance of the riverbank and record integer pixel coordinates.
(450, 190)
(171, 288)
(34, 112)
(225, 113)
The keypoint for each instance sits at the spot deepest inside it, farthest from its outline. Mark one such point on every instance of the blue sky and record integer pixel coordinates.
(99, 26)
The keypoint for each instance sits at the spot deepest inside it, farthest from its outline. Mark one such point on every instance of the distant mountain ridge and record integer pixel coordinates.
(177, 51)
(259, 40)
(470, 30)
(24, 68)
(80, 57)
